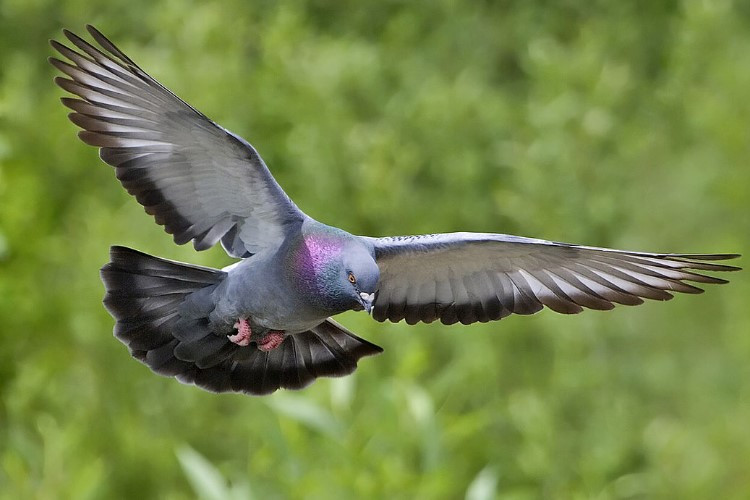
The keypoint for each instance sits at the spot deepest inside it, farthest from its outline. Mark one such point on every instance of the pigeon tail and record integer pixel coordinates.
(145, 295)
(326, 350)
(162, 309)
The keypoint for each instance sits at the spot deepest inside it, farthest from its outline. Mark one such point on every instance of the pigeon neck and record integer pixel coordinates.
(314, 268)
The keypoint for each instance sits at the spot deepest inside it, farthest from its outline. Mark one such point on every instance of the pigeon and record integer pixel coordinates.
(264, 323)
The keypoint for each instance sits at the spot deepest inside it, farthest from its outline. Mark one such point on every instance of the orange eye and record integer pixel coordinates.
(352, 279)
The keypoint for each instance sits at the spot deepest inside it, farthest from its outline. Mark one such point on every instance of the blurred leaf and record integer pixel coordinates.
(206, 480)
(422, 410)
(483, 486)
(306, 412)
(342, 393)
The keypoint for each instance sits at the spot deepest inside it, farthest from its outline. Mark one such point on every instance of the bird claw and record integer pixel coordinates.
(267, 342)
(242, 337)
(271, 340)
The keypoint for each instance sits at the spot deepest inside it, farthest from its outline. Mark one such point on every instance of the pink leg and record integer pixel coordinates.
(242, 337)
(271, 340)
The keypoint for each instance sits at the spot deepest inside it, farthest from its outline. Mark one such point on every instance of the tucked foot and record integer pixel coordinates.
(242, 337)
(271, 340)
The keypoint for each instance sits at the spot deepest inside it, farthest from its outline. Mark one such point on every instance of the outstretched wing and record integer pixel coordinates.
(198, 180)
(471, 277)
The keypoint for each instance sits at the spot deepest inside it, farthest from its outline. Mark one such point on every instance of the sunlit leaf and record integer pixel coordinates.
(306, 412)
(206, 480)
(484, 485)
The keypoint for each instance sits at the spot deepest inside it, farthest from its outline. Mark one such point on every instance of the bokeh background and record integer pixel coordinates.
(621, 124)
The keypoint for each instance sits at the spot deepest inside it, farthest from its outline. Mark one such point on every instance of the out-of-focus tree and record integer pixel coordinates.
(618, 124)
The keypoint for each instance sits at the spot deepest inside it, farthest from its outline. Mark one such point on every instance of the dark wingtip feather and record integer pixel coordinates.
(76, 40)
(70, 102)
(683, 287)
(107, 45)
(62, 82)
(707, 256)
(702, 261)
(96, 33)
(58, 46)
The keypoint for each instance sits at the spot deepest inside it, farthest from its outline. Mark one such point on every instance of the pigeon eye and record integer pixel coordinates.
(352, 279)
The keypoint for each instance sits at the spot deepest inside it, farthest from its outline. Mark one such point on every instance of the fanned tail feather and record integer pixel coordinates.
(327, 350)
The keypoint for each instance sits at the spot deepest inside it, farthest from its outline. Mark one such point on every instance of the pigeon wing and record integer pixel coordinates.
(470, 277)
(200, 181)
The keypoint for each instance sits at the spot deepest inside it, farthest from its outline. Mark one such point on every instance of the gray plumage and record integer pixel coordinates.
(171, 334)
(469, 277)
(264, 323)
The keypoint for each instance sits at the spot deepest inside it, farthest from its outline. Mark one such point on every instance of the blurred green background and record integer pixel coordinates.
(621, 124)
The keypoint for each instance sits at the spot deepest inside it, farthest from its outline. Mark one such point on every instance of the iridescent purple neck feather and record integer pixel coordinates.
(314, 265)
(324, 265)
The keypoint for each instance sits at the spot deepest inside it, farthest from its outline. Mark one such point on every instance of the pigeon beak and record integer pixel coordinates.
(367, 300)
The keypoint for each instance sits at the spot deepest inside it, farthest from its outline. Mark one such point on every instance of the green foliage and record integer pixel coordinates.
(618, 124)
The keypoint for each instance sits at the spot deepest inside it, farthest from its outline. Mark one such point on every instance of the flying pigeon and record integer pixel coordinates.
(264, 323)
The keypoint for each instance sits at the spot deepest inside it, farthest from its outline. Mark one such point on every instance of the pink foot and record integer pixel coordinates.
(271, 340)
(242, 337)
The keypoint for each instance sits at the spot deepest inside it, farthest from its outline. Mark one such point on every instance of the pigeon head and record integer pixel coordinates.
(334, 270)
(362, 274)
